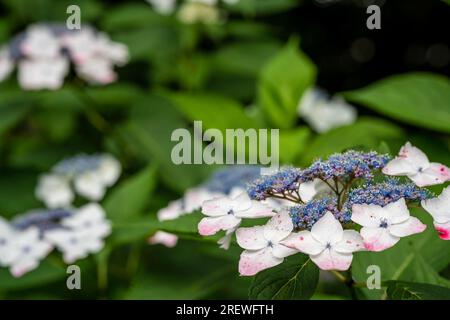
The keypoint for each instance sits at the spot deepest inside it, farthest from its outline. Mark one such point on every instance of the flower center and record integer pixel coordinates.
(230, 211)
(328, 246)
(26, 249)
(270, 244)
(383, 223)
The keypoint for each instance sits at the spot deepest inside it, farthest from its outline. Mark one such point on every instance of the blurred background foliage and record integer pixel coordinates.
(249, 72)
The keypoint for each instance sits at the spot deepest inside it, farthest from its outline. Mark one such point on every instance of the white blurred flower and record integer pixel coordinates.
(97, 71)
(29, 250)
(6, 64)
(82, 234)
(324, 114)
(43, 53)
(165, 238)
(7, 252)
(55, 191)
(164, 7)
(42, 74)
(40, 43)
(194, 12)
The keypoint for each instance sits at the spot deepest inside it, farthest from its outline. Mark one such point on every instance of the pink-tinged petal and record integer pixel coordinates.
(327, 229)
(396, 212)
(414, 155)
(330, 259)
(256, 210)
(252, 262)
(351, 242)
(367, 215)
(171, 212)
(407, 228)
(436, 173)
(251, 238)
(378, 239)
(167, 239)
(398, 167)
(304, 242)
(242, 202)
(281, 251)
(443, 229)
(439, 207)
(217, 207)
(278, 227)
(211, 225)
(226, 240)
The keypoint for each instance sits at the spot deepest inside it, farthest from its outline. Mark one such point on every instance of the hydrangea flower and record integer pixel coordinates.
(329, 246)
(384, 226)
(7, 250)
(165, 238)
(43, 52)
(414, 164)
(439, 208)
(221, 183)
(28, 250)
(227, 212)
(81, 234)
(263, 244)
(89, 175)
(324, 114)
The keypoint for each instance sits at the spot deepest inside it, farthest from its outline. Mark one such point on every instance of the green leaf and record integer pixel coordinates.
(44, 274)
(296, 278)
(293, 143)
(213, 110)
(13, 107)
(366, 132)
(282, 83)
(420, 99)
(262, 7)
(132, 15)
(401, 290)
(131, 196)
(149, 130)
(244, 58)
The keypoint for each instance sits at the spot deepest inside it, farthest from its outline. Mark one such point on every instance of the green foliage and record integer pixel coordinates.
(400, 290)
(282, 83)
(296, 279)
(419, 99)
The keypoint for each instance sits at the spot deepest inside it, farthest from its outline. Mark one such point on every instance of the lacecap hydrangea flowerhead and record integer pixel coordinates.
(224, 182)
(86, 175)
(344, 204)
(30, 237)
(43, 53)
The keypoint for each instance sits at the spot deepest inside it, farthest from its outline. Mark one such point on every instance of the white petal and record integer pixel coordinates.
(171, 212)
(436, 173)
(167, 239)
(90, 185)
(351, 242)
(251, 238)
(22, 266)
(281, 251)
(225, 241)
(54, 190)
(278, 227)
(398, 167)
(396, 212)
(439, 207)
(256, 210)
(407, 228)
(304, 242)
(109, 170)
(211, 225)
(194, 198)
(217, 207)
(252, 262)
(330, 259)
(242, 202)
(414, 155)
(378, 239)
(327, 229)
(368, 215)
(97, 70)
